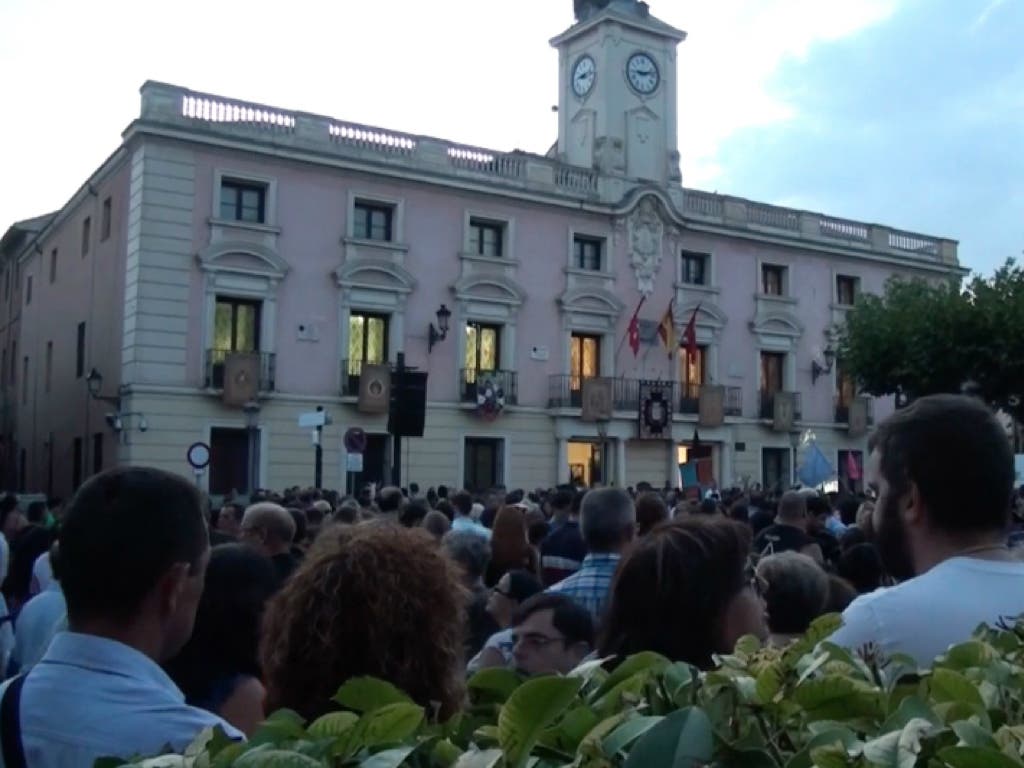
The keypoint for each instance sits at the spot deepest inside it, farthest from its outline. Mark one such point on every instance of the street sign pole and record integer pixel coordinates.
(318, 455)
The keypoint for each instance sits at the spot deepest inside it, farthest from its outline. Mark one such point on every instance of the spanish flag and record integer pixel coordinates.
(667, 330)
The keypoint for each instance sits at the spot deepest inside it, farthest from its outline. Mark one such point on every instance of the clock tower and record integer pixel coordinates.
(617, 92)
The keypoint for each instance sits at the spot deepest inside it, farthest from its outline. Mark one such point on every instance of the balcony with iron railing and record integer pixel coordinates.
(842, 410)
(474, 382)
(767, 404)
(567, 392)
(216, 358)
(689, 399)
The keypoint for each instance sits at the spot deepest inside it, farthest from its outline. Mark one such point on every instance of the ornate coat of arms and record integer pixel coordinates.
(646, 233)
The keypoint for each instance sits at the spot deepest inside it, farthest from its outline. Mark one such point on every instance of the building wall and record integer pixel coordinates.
(86, 289)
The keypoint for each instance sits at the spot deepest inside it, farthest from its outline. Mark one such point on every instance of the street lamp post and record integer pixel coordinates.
(794, 440)
(252, 422)
(602, 433)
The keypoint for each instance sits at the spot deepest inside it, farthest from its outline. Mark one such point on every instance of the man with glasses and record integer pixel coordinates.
(552, 634)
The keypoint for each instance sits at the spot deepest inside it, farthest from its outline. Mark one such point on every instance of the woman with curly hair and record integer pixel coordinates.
(368, 600)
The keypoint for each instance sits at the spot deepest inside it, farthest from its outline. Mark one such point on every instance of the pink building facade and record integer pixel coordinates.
(222, 227)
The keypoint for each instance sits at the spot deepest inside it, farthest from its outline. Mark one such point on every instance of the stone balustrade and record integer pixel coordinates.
(164, 104)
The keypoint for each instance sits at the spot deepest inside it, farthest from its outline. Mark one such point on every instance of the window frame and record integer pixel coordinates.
(242, 185)
(761, 383)
(577, 377)
(86, 235)
(783, 274)
(370, 207)
(477, 226)
(691, 257)
(854, 285)
(105, 219)
(579, 243)
(367, 316)
(80, 350)
(481, 327)
(235, 302)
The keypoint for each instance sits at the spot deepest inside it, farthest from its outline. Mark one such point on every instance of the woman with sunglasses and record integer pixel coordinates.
(512, 589)
(685, 591)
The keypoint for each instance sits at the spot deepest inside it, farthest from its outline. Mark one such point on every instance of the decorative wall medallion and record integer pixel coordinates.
(646, 233)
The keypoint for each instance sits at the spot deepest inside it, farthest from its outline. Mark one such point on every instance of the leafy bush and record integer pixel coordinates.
(811, 704)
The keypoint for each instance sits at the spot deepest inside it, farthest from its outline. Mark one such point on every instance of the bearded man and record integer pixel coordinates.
(942, 470)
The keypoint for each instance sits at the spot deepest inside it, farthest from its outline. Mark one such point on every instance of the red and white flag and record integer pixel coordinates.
(634, 328)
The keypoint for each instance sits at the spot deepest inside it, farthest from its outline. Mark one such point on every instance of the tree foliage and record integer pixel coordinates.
(811, 704)
(922, 338)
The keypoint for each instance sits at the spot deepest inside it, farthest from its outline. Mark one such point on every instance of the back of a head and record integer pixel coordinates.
(225, 641)
(471, 551)
(650, 512)
(561, 501)
(965, 490)
(301, 524)
(848, 510)
(862, 567)
(569, 618)
(792, 508)
(36, 512)
(510, 541)
(708, 507)
(347, 513)
(671, 590)
(463, 503)
(437, 524)
(413, 513)
(818, 505)
(317, 512)
(522, 585)
(278, 522)
(121, 533)
(30, 543)
(797, 591)
(389, 500)
(840, 594)
(373, 600)
(607, 519)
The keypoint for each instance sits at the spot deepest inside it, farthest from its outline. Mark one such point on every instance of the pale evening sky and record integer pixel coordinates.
(902, 112)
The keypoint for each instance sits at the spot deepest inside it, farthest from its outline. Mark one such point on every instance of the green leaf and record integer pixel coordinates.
(533, 707)
(574, 727)
(647, 661)
(366, 694)
(445, 753)
(829, 756)
(911, 708)
(332, 724)
(973, 735)
(488, 758)
(899, 749)
(838, 698)
(769, 683)
(950, 686)
(497, 682)
(683, 739)
(277, 758)
(627, 733)
(974, 757)
(390, 724)
(832, 736)
(389, 758)
(967, 655)
(283, 725)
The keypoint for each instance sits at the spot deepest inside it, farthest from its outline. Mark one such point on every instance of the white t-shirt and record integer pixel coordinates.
(924, 616)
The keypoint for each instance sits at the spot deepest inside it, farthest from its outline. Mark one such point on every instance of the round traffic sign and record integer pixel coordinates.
(355, 440)
(198, 455)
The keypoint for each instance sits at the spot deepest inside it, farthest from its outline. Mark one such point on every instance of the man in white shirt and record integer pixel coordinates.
(133, 554)
(943, 472)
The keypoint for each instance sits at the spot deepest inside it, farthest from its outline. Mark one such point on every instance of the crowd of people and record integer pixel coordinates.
(141, 617)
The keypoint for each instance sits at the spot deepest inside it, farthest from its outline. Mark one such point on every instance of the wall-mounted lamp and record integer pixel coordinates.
(818, 370)
(440, 333)
(95, 383)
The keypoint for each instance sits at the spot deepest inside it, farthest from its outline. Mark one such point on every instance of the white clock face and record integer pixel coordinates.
(583, 76)
(642, 73)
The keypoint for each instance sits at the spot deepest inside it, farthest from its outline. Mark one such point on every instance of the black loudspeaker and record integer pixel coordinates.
(408, 404)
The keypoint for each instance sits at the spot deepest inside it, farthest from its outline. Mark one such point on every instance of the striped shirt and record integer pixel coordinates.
(591, 585)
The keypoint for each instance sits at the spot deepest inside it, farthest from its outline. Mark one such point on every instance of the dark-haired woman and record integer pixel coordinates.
(218, 669)
(685, 591)
(511, 591)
